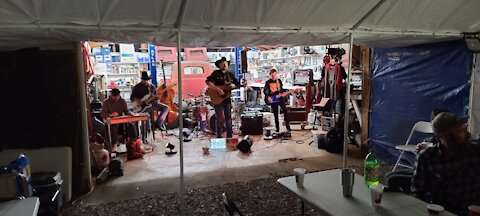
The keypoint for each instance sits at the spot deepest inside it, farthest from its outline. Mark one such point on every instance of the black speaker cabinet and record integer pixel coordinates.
(252, 124)
(243, 56)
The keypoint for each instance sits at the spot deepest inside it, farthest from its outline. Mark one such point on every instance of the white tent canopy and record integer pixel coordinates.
(207, 23)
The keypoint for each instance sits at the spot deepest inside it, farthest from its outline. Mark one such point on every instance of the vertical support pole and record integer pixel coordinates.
(238, 65)
(86, 176)
(180, 123)
(366, 78)
(347, 101)
(471, 106)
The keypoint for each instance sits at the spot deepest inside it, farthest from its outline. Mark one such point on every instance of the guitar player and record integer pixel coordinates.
(220, 78)
(144, 88)
(273, 87)
(116, 106)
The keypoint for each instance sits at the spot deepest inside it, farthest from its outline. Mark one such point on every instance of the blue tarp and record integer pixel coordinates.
(408, 83)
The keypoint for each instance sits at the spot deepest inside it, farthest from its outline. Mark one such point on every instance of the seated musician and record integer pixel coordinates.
(116, 106)
(274, 86)
(145, 88)
(218, 78)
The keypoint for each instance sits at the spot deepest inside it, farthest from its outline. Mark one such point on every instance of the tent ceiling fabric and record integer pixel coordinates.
(25, 23)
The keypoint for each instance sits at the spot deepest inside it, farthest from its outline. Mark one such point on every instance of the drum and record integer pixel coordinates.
(199, 112)
(212, 123)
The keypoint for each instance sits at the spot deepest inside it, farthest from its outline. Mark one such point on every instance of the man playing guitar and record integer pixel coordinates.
(219, 83)
(145, 88)
(274, 97)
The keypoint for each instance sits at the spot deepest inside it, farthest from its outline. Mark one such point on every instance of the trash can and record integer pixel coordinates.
(47, 187)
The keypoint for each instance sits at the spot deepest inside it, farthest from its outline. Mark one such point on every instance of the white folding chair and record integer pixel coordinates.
(420, 127)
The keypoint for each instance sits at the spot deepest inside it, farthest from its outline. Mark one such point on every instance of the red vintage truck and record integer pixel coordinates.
(194, 74)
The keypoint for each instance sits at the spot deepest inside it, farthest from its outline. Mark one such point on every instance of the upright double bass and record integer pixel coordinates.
(166, 97)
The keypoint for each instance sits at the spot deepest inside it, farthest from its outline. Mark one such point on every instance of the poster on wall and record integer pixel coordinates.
(127, 53)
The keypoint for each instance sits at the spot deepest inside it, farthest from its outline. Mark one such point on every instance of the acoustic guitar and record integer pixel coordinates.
(275, 99)
(215, 97)
(139, 106)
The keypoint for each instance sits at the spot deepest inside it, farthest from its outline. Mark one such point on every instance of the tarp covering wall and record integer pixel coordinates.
(408, 83)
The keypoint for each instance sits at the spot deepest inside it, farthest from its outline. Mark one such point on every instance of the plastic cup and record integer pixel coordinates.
(299, 176)
(474, 210)
(435, 210)
(376, 193)
(206, 150)
(348, 178)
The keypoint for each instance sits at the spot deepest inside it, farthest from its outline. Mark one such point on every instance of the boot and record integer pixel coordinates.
(138, 146)
(131, 152)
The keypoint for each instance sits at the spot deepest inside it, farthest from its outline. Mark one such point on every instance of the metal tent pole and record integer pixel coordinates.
(347, 101)
(82, 94)
(180, 122)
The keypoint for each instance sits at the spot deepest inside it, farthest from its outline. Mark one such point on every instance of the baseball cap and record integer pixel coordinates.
(115, 92)
(445, 121)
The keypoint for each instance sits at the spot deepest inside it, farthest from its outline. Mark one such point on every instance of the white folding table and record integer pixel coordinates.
(323, 190)
(24, 207)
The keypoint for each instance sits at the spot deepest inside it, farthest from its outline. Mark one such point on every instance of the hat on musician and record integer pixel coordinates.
(145, 76)
(223, 59)
(115, 92)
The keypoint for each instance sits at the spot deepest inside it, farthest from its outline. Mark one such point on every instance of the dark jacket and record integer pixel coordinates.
(219, 78)
(269, 84)
(140, 90)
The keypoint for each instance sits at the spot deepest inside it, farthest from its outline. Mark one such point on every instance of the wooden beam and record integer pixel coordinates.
(365, 108)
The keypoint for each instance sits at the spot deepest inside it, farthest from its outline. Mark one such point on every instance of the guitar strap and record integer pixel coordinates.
(226, 77)
(279, 89)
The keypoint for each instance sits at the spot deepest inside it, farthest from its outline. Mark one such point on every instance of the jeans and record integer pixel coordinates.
(285, 115)
(225, 108)
(127, 128)
(155, 106)
(340, 107)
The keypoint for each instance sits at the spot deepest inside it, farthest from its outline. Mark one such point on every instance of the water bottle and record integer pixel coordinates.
(372, 169)
(21, 165)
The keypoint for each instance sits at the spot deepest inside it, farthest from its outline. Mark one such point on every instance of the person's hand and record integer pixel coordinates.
(114, 114)
(220, 91)
(421, 146)
(269, 99)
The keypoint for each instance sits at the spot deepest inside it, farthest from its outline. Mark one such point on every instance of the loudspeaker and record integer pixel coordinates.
(252, 124)
(473, 44)
(243, 56)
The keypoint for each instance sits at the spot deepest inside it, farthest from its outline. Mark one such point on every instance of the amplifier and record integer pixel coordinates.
(252, 124)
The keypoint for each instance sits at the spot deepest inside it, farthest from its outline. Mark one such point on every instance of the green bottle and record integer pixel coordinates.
(372, 170)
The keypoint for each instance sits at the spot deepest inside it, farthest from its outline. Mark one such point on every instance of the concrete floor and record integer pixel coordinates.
(159, 173)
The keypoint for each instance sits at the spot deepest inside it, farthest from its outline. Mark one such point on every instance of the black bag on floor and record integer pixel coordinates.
(334, 140)
(116, 167)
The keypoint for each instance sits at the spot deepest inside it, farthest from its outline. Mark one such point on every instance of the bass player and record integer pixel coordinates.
(220, 82)
(145, 88)
(273, 90)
